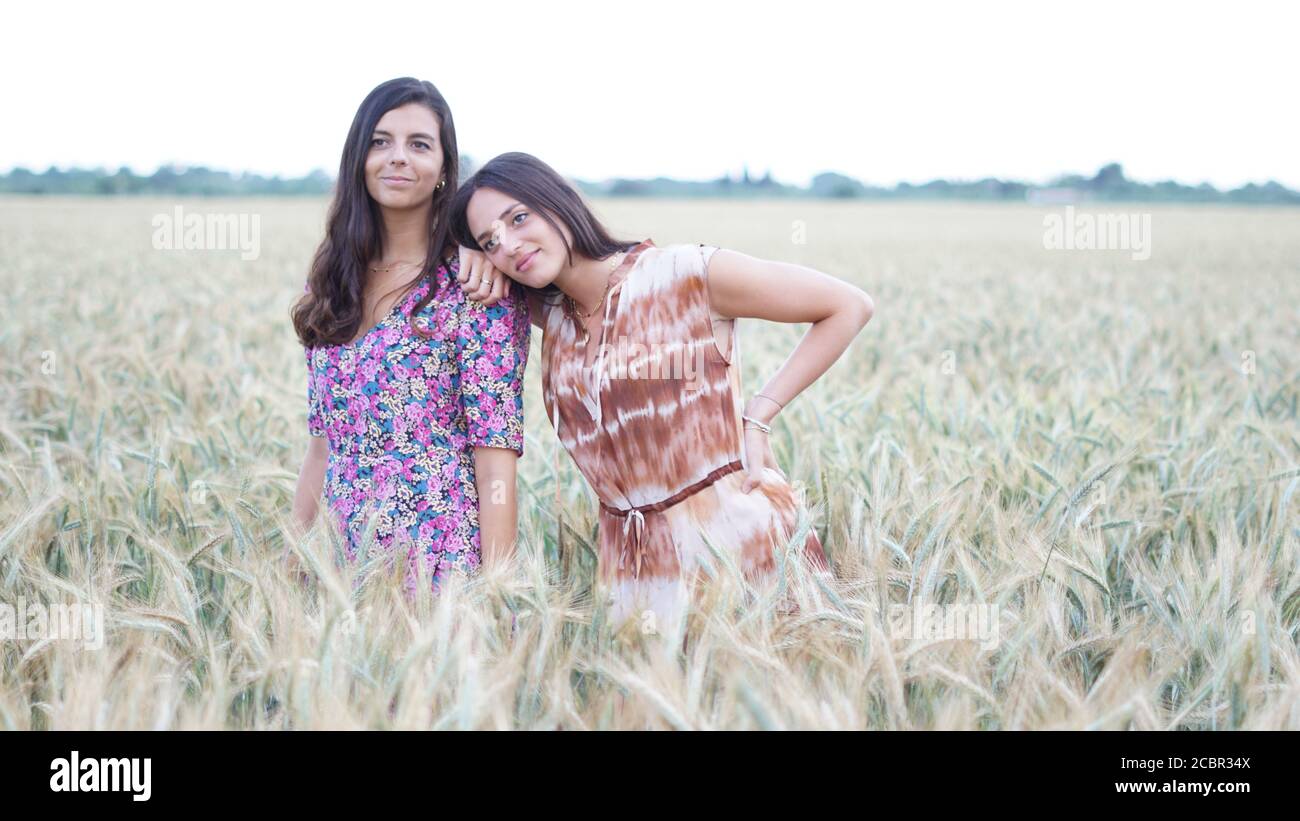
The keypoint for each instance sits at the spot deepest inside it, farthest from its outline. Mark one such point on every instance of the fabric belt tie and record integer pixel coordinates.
(634, 517)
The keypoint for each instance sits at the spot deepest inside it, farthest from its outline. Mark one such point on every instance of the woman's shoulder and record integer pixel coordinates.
(677, 262)
(681, 252)
(511, 309)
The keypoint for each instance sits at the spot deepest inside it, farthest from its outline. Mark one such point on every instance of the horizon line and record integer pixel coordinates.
(318, 172)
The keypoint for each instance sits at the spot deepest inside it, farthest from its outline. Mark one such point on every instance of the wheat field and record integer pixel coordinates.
(1100, 454)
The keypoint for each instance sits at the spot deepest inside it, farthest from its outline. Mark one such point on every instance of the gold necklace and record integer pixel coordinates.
(609, 281)
(390, 267)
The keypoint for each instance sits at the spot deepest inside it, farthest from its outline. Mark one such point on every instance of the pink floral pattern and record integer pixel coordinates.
(403, 415)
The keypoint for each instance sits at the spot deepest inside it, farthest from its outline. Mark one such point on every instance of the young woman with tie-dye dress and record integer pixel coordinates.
(641, 379)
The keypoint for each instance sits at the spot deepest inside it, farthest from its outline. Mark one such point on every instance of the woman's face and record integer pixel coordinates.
(516, 239)
(404, 162)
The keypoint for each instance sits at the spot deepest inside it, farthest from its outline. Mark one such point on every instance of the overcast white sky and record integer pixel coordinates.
(883, 92)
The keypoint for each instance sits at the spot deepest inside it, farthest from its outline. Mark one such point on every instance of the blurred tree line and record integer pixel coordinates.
(1108, 185)
(197, 181)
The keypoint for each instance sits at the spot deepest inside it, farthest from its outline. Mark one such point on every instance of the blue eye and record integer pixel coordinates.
(519, 217)
(489, 245)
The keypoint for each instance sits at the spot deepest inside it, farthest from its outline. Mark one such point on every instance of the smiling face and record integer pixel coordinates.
(404, 162)
(517, 240)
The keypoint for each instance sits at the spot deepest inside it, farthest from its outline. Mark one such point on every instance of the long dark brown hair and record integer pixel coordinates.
(330, 312)
(546, 193)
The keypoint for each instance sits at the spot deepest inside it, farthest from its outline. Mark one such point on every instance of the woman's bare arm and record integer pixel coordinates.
(494, 476)
(311, 482)
(743, 286)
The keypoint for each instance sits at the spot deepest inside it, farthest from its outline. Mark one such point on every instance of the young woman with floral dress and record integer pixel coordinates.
(415, 395)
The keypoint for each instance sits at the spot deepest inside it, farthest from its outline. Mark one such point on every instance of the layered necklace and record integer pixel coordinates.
(614, 262)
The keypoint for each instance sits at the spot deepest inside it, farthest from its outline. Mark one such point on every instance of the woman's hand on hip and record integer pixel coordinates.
(758, 458)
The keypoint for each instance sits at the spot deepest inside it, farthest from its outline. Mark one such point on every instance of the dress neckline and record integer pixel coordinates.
(629, 262)
(619, 276)
(589, 381)
(398, 307)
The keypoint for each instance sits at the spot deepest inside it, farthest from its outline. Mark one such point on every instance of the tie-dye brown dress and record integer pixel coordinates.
(659, 439)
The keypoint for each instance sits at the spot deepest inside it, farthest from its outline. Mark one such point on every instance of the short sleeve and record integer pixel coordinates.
(491, 352)
(315, 422)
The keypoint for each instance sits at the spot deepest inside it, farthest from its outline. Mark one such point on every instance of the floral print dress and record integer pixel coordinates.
(403, 415)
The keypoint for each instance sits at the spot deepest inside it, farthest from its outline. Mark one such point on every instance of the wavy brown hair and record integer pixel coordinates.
(330, 312)
(544, 191)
